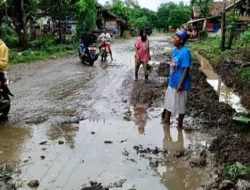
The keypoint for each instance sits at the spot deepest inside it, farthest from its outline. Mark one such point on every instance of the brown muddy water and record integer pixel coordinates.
(101, 147)
(85, 157)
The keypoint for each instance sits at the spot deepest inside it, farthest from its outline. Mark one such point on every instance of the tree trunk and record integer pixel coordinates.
(23, 38)
(223, 27)
(21, 27)
(60, 31)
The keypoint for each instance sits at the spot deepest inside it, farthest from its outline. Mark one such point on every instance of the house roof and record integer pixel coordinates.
(107, 12)
(218, 6)
(202, 19)
(232, 5)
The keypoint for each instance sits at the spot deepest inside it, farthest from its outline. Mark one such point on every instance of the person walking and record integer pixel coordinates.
(142, 54)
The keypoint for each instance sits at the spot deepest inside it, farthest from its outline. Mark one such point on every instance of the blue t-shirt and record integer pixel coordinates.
(183, 60)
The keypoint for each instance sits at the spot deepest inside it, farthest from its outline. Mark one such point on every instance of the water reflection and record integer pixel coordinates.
(12, 142)
(65, 132)
(140, 117)
(169, 143)
(175, 172)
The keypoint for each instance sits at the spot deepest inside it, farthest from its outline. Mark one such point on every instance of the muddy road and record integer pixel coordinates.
(71, 124)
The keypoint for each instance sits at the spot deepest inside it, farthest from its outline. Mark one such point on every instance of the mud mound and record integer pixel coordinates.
(230, 149)
(146, 93)
(204, 102)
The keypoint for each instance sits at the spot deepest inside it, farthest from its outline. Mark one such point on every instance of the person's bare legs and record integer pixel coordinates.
(166, 115)
(145, 68)
(111, 55)
(180, 121)
(137, 67)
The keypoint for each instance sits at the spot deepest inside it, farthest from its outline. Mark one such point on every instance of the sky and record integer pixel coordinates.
(151, 4)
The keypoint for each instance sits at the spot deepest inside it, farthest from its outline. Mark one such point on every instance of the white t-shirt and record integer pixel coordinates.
(105, 37)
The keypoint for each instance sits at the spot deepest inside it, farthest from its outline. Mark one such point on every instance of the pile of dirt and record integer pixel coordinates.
(231, 148)
(204, 102)
(147, 93)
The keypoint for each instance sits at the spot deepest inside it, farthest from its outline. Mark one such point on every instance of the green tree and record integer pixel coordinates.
(58, 10)
(86, 14)
(120, 9)
(180, 15)
(22, 12)
(203, 6)
(172, 15)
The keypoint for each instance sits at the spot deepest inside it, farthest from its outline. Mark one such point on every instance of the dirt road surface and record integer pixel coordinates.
(71, 124)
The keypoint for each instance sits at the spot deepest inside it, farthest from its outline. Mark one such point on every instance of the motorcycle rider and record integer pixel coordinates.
(4, 98)
(87, 39)
(105, 39)
(4, 90)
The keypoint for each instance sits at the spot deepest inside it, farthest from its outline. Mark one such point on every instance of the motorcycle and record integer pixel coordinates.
(89, 55)
(5, 101)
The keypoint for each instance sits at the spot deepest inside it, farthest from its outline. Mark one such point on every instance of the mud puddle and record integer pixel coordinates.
(225, 94)
(69, 156)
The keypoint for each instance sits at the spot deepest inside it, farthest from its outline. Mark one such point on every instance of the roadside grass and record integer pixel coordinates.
(41, 53)
(210, 48)
(236, 171)
(245, 73)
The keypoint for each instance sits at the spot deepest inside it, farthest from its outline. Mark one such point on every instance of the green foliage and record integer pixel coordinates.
(203, 6)
(210, 48)
(173, 15)
(120, 9)
(245, 73)
(86, 15)
(57, 9)
(235, 171)
(42, 42)
(245, 37)
(203, 35)
(31, 55)
(8, 35)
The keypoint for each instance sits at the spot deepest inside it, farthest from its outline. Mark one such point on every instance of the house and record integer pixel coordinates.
(108, 20)
(213, 22)
(215, 9)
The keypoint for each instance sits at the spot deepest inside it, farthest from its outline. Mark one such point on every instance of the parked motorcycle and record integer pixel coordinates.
(89, 55)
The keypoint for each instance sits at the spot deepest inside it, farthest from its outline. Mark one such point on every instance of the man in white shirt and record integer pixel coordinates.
(105, 39)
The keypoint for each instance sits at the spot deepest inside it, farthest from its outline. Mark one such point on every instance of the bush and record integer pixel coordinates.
(8, 35)
(236, 171)
(203, 35)
(245, 37)
(42, 42)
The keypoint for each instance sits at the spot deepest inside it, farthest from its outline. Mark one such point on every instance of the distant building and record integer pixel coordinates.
(212, 23)
(108, 20)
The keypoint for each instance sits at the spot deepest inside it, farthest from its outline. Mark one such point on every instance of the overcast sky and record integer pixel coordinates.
(151, 4)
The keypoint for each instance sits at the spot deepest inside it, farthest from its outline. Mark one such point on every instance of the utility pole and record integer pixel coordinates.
(223, 26)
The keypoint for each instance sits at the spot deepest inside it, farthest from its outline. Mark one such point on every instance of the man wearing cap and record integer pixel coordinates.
(179, 80)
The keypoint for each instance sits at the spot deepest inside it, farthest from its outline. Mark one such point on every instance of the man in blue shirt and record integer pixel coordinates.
(180, 80)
